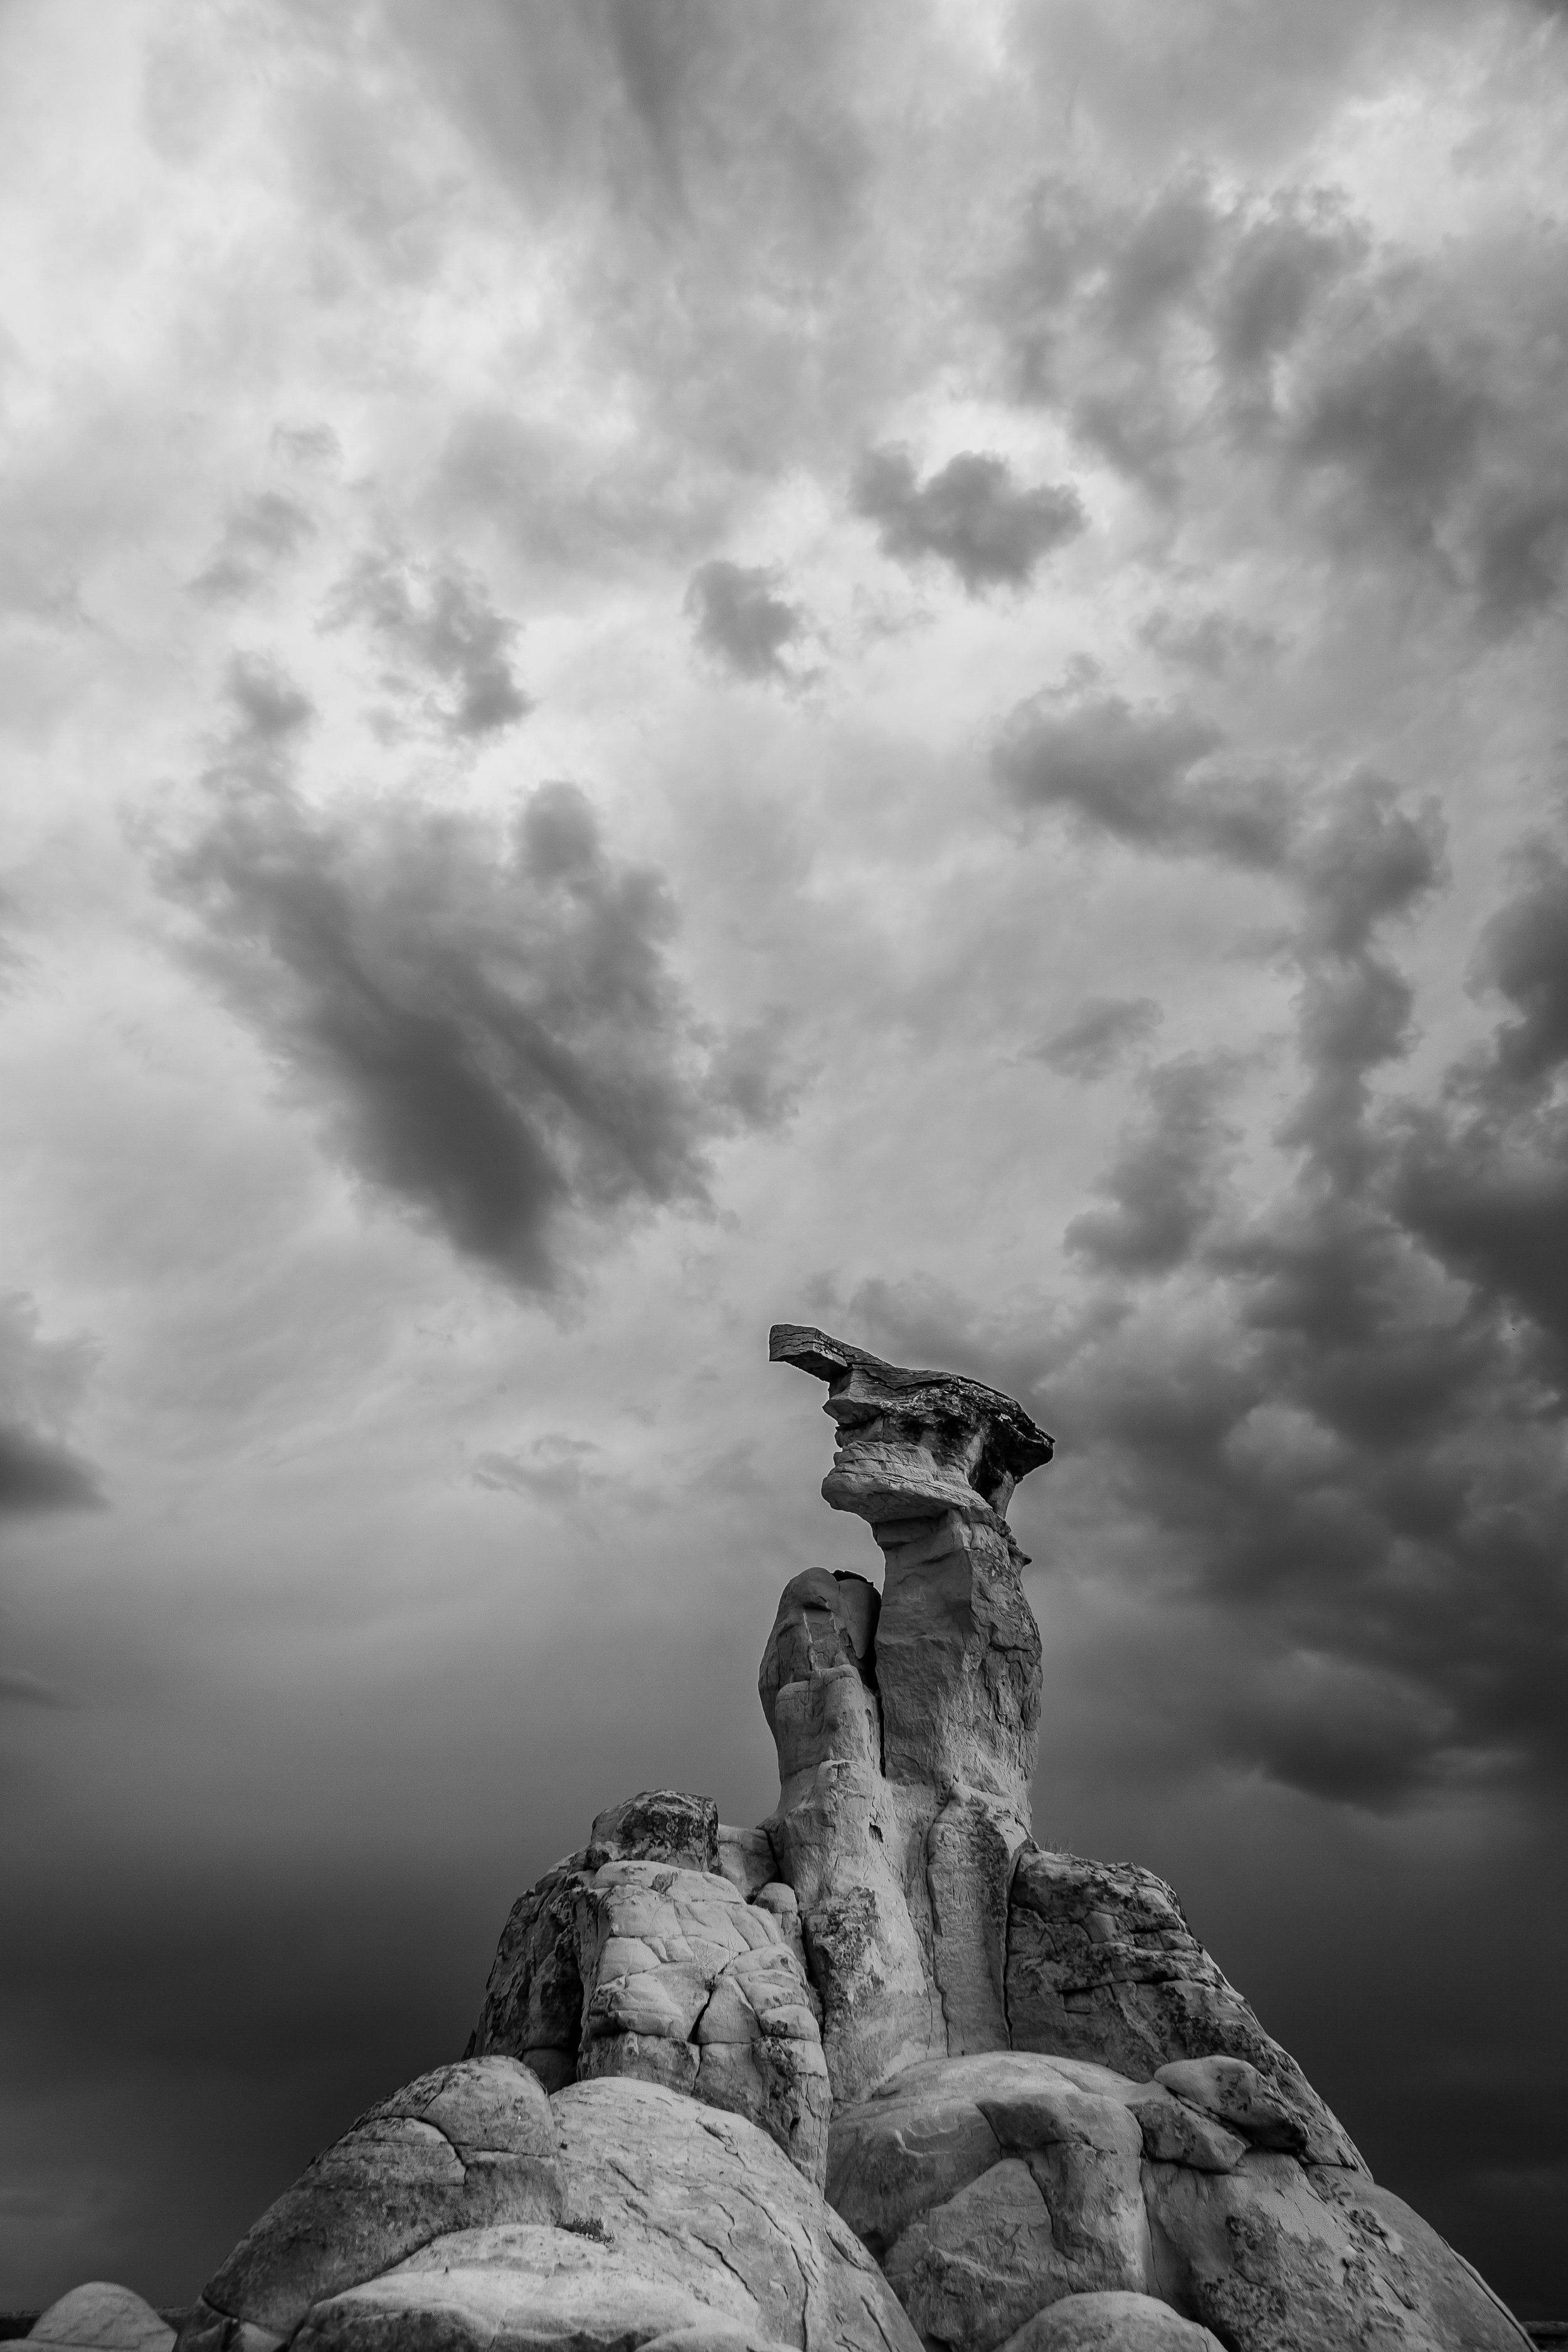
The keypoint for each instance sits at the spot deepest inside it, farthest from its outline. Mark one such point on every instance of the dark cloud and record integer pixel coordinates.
(445, 643)
(1402, 429)
(740, 620)
(1326, 1412)
(971, 515)
(1145, 776)
(486, 1020)
(40, 1384)
(1207, 344)
(1102, 1032)
(1482, 1176)
(260, 534)
(1165, 1185)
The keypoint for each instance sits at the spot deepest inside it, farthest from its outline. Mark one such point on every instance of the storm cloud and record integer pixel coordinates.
(483, 1016)
(41, 1381)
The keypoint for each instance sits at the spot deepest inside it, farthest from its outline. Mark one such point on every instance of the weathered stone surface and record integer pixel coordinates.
(613, 1970)
(532, 2006)
(1235, 2094)
(907, 1731)
(913, 1443)
(1102, 1963)
(992, 2185)
(1281, 2257)
(670, 2224)
(462, 2147)
(102, 2317)
(1111, 2322)
(1175, 2133)
(659, 1825)
(971, 2271)
(839, 1839)
(746, 1859)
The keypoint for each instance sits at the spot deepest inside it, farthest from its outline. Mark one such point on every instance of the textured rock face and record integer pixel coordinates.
(465, 2148)
(1284, 2257)
(616, 1964)
(1102, 1963)
(1056, 2128)
(1110, 2323)
(102, 2317)
(664, 2224)
(997, 2189)
(913, 1443)
(907, 1730)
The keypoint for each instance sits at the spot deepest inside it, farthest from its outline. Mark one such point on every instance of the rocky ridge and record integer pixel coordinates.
(878, 2072)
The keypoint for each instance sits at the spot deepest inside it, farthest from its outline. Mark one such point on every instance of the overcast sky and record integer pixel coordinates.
(673, 663)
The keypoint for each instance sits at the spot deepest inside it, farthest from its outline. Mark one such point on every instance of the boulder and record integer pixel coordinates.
(1111, 2322)
(665, 2224)
(1102, 1965)
(464, 2147)
(102, 2317)
(1279, 2256)
(992, 2186)
(642, 1968)
(659, 1825)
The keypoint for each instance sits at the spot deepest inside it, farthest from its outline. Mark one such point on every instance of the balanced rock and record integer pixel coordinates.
(648, 2221)
(907, 1731)
(617, 1963)
(1044, 2119)
(102, 2317)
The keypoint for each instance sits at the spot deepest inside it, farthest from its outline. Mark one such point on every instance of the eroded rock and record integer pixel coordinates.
(667, 2224)
(1102, 1963)
(466, 2146)
(640, 1968)
(99, 2317)
(1111, 2322)
(1279, 2256)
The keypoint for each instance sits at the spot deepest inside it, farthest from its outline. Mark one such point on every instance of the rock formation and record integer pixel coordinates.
(879, 2072)
(101, 2317)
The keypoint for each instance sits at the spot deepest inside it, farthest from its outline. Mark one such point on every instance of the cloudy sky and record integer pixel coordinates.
(668, 663)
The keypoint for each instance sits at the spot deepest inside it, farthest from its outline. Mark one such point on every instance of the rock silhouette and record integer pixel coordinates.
(878, 2072)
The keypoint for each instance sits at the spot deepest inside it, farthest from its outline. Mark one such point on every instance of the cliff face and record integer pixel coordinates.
(877, 2072)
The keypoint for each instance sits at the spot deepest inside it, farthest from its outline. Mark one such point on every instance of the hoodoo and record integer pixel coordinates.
(878, 2072)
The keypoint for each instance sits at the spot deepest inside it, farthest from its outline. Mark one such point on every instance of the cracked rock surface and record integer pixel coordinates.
(618, 2213)
(997, 2189)
(639, 1958)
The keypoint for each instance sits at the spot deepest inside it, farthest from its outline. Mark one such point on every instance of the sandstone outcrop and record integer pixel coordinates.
(617, 2213)
(1044, 2120)
(639, 1958)
(102, 2317)
(1102, 1963)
